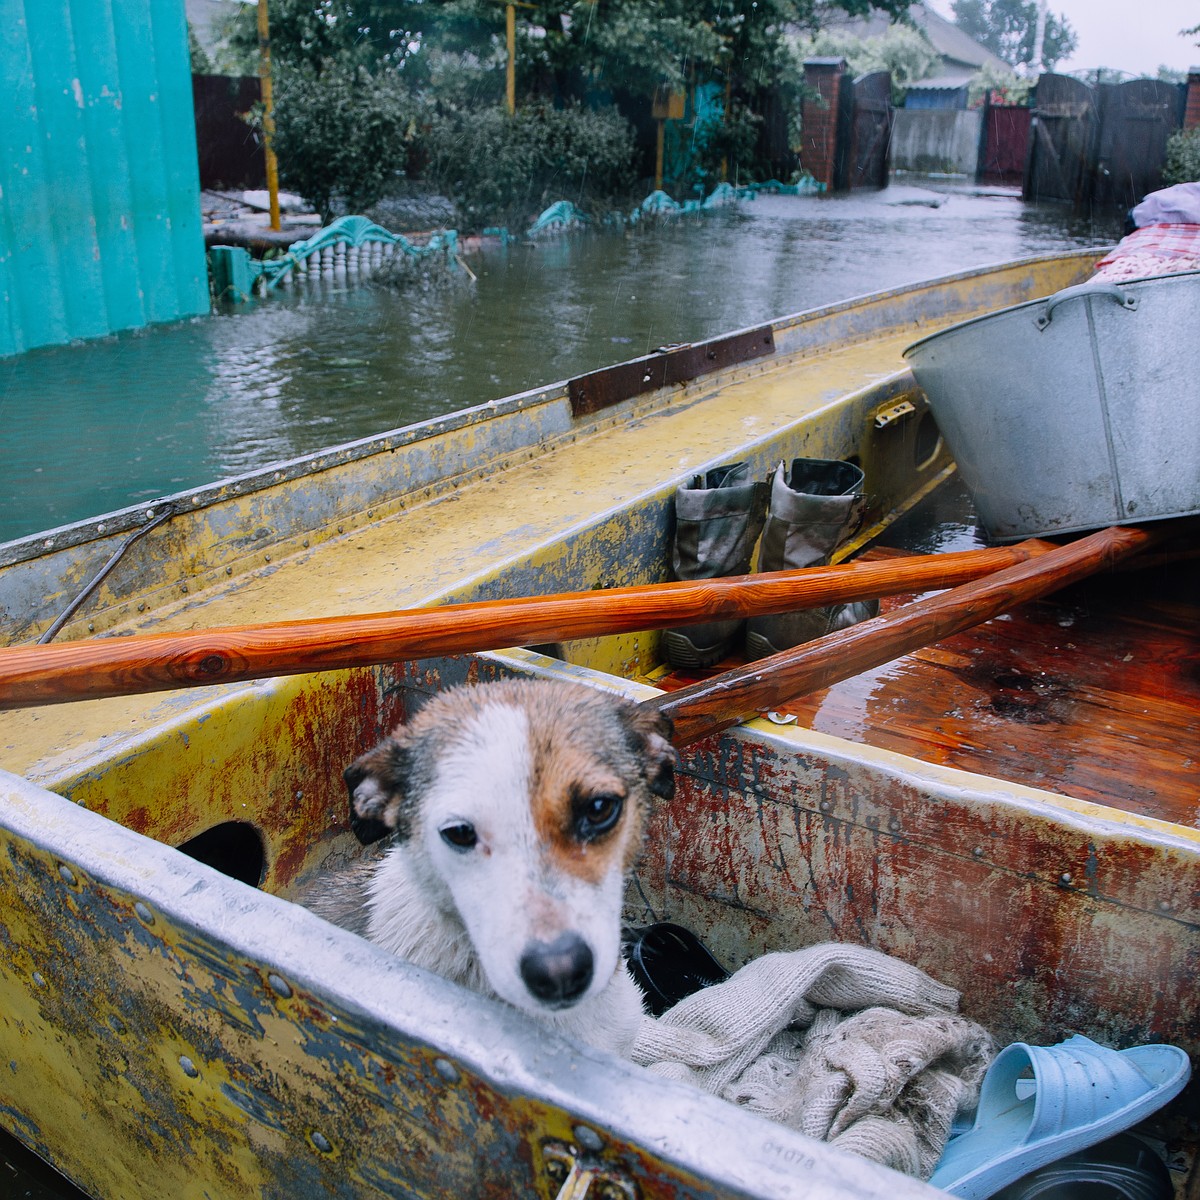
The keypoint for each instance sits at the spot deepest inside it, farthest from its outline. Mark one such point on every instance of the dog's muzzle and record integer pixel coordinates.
(557, 973)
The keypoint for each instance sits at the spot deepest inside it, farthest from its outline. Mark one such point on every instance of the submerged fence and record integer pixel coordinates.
(356, 246)
(349, 246)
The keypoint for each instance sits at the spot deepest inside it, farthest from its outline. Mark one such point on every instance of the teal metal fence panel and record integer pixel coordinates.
(100, 226)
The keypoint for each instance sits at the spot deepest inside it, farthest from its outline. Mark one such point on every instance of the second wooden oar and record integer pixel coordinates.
(714, 704)
(99, 667)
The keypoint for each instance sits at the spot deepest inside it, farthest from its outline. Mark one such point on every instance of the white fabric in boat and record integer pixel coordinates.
(839, 1042)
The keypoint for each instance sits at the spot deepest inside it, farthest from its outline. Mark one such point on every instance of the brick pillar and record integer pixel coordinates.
(819, 118)
(1191, 114)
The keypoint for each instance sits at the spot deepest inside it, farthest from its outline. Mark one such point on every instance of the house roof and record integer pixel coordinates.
(940, 83)
(961, 54)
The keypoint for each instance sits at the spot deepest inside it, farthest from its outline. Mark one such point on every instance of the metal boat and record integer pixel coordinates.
(1013, 809)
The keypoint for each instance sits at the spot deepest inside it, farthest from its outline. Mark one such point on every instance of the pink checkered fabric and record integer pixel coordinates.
(1153, 250)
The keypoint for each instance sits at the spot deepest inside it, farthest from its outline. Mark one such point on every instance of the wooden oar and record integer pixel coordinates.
(83, 670)
(714, 704)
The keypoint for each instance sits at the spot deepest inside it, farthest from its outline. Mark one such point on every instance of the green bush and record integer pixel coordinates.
(343, 133)
(903, 51)
(1000, 84)
(1182, 163)
(502, 169)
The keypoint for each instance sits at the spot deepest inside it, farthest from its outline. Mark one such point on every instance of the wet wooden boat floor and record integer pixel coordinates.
(1093, 692)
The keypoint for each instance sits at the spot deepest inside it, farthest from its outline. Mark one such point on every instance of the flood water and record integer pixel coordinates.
(89, 428)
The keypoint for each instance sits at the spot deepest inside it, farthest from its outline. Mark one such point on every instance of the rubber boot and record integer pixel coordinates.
(813, 509)
(718, 517)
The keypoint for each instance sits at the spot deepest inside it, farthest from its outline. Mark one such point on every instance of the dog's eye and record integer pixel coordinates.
(596, 815)
(460, 835)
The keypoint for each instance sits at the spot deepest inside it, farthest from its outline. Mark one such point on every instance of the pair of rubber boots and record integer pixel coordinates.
(804, 513)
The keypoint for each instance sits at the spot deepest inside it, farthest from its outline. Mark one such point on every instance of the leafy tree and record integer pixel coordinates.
(903, 50)
(1008, 27)
(343, 137)
(314, 32)
(450, 55)
(1182, 163)
(539, 155)
(1004, 86)
(201, 64)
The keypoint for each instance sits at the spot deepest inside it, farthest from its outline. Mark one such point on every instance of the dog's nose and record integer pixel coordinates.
(557, 972)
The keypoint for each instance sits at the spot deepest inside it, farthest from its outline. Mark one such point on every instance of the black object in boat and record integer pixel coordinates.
(668, 963)
(1122, 1168)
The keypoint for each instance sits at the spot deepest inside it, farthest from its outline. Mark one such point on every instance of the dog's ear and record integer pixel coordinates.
(377, 783)
(653, 731)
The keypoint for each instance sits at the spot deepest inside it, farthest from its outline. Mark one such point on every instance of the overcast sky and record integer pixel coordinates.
(1137, 36)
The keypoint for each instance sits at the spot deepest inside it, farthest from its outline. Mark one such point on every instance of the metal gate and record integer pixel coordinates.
(1005, 144)
(870, 131)
(1063, 137)
(1136, 120)
(231, 156)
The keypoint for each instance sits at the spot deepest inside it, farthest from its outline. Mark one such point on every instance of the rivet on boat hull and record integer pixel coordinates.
(588, 1139)
(67, 875)
(279, 985)
(446, 1069)
(321, 1142)
(144, 914)
(189, 1067)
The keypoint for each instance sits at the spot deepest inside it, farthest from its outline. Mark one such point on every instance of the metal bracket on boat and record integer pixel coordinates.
(578, 1174)
(670, 364)
(895, 413)
(156, 514)
(1082, 291)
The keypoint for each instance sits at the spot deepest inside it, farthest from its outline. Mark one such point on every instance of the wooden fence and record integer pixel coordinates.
(1100, 146)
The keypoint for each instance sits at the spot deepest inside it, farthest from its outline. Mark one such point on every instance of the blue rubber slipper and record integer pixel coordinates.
(1081, 1093)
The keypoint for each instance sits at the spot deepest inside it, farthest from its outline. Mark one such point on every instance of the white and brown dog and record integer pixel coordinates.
(516, 812)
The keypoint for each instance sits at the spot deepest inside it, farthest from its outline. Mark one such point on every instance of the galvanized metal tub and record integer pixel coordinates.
(1075, 412)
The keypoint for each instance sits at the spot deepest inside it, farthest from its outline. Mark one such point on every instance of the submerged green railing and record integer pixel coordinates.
(356, 245)
(350, 245)
(564, 215)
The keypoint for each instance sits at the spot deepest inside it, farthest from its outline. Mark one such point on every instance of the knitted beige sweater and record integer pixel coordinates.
(839, 1042)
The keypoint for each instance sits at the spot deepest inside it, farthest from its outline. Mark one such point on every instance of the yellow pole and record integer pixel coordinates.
(510, 30)
(264, 74)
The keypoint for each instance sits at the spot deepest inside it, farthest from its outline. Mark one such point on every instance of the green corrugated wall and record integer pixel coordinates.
(100, 226)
